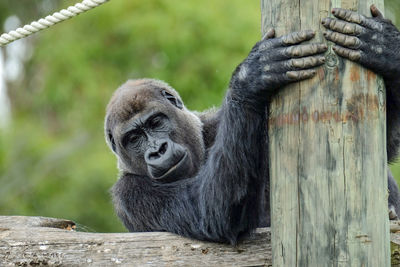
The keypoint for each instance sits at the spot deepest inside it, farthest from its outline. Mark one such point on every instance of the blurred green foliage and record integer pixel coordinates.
(53, 158)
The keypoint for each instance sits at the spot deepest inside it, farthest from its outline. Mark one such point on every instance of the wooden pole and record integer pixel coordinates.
(327, 153)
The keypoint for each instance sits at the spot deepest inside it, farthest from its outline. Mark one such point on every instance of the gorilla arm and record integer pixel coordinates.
(223, 200)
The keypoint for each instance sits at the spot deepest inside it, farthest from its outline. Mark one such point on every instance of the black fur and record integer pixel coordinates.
(224, 197)
(394, 197)
(221, 202)
(221, 192)
(393, 116)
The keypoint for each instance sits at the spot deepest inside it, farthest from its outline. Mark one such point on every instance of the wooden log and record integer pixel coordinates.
(28, 241)
(327, 153)
(32, 241)
(395, 243)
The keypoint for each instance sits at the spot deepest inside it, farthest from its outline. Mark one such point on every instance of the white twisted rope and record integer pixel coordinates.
(49, 21)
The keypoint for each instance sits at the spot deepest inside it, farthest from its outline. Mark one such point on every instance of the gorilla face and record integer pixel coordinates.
(148, 137)
(152, 133)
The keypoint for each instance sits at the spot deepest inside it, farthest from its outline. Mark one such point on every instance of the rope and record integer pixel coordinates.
(49, 21)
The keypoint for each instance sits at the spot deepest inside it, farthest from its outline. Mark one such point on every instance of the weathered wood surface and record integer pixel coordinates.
(395, 243)
(32, 241)
(327, 153)
(28, 241)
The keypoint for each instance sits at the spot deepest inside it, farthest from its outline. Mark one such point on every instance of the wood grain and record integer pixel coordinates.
(327, 153)
(33, 241)
(24, 241)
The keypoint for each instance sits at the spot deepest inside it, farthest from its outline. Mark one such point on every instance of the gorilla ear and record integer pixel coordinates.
(112, 141)
(174, 101)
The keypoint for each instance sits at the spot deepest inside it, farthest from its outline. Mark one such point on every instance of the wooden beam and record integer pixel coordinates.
(327, 141)
(29, 241)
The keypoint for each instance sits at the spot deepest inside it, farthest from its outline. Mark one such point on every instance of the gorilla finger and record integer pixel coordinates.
(296, 37)
(269, 34)
(296, 51)
(299, 75)
(342, 26)
(303, 63)
(342, 39)
(303, 50)
(353, 55)
(375, 12)
(351, 16)
(289, 39)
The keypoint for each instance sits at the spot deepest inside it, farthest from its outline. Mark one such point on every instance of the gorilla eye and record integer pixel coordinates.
(174, 101)
(157, 122)
(133, 138)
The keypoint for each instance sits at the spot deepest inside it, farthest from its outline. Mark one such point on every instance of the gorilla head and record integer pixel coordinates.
(152, 133)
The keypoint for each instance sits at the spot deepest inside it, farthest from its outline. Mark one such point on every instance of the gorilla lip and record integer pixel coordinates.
(173, 168)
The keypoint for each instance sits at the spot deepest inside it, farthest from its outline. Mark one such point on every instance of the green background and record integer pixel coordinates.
(53, 158)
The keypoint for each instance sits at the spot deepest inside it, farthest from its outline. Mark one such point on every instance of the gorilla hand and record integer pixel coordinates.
(374, 42)
(275, 62)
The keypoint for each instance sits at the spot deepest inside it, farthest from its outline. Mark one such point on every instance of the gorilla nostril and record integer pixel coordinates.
(163, 148)
(158, 153)
(153, 156)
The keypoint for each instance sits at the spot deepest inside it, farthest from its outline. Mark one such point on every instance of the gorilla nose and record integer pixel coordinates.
(164, 155)
(161, 154)
(157, 153)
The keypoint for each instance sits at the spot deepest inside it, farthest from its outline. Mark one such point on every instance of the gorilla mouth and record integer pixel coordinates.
(175, 170)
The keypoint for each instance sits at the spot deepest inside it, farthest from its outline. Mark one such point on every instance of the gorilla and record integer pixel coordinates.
(205, 175)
